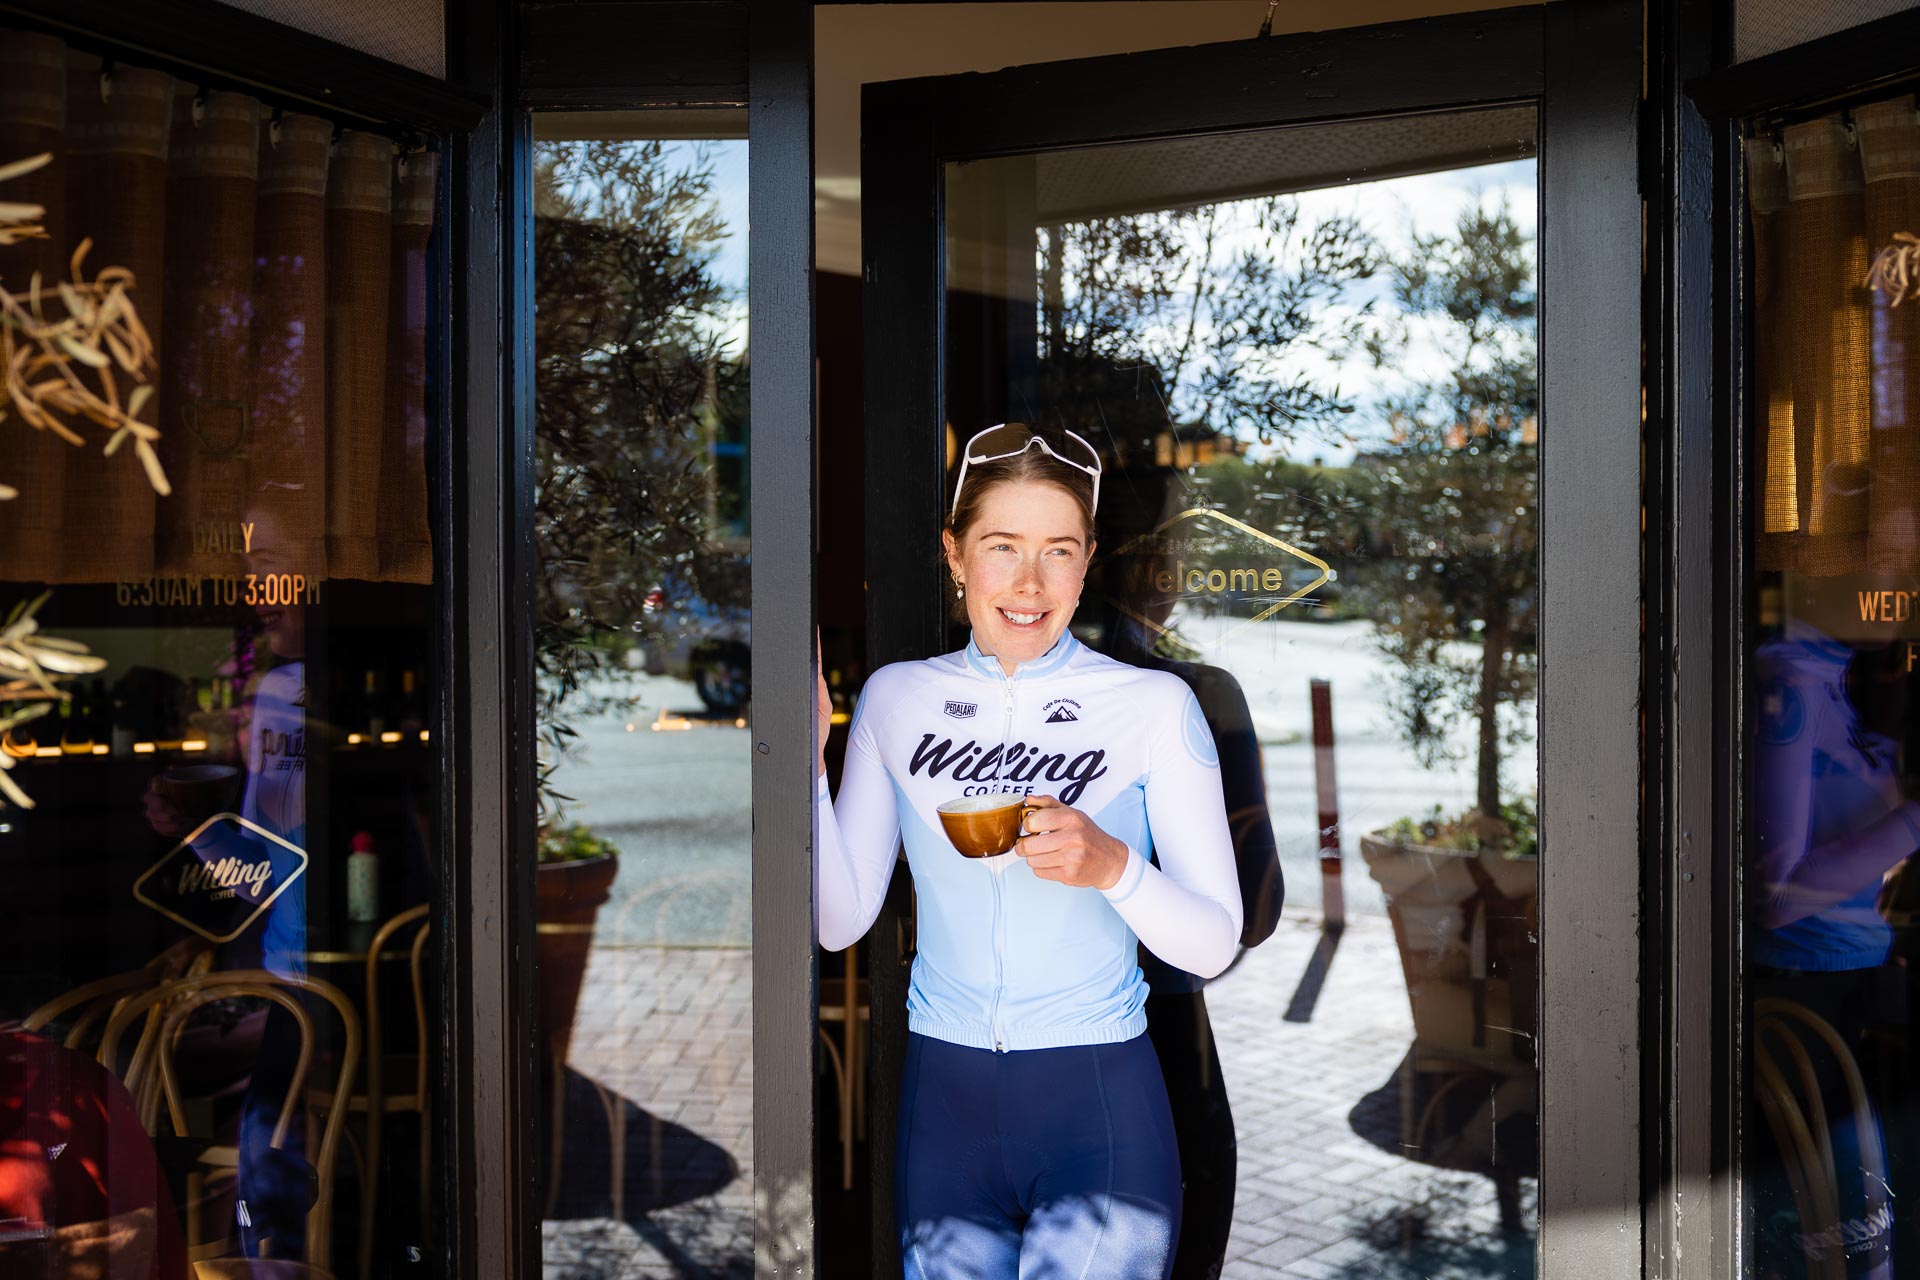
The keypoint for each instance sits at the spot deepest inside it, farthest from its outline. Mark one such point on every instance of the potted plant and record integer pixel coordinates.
(573, 879)
(1464, 909)
(1452, 581)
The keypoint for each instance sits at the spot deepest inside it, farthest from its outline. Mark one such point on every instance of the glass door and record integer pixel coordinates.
(1321, 344)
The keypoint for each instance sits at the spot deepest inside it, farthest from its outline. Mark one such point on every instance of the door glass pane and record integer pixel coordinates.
(641, 654)
(220, 679)
(1307, 359)
(1830, 890)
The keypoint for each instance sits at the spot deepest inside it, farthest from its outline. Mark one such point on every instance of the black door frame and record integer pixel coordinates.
(1590, 691)
(1718, 101)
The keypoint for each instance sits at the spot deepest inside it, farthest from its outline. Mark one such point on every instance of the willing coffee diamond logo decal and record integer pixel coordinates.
(222, 877)
(1209, 561)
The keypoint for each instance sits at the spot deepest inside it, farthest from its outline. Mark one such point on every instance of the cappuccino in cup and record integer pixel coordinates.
(982, 826)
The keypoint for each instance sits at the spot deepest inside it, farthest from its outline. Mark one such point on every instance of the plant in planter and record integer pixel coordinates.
(574, 878)
(1451, 581)
(631, 335)
(1451, 574)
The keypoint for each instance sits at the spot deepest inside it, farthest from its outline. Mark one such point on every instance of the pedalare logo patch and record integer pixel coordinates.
(963, 710)
(222, 877)
(1212, 564)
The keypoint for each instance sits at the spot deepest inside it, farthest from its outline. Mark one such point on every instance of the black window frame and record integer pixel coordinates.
(217, 47)
(1714, 101)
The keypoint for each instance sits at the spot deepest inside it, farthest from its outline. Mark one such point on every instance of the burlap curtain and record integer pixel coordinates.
(406, 546)
(359, 240)
(212, 185)
(118, 128)
(282, 272)
(33, 119)
(1836, 365)
(287, 458)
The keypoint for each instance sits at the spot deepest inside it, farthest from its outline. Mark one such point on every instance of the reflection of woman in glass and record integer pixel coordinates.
(1177, 1021)
(1832, 817)
(1035, 1136)
(275, 1184)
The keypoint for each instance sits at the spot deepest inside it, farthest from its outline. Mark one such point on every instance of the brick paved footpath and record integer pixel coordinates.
(669, 1032)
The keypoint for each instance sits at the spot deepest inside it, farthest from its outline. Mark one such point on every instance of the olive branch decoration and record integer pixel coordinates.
(30, 663)
(60, 348)
(59, 369)
(1896, 268)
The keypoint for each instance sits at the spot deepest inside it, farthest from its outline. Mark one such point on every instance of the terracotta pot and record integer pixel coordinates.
(569, 895)
(1463, 922)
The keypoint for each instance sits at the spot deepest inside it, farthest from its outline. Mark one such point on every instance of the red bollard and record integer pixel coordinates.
(1333, 902)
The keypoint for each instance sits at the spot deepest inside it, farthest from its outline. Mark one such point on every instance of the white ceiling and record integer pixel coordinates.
(860, 43)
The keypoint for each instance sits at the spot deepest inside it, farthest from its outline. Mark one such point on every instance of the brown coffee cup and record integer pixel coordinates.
(982, 826)
(198, 790)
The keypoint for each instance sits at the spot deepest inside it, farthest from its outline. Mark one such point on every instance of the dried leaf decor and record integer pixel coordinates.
(1896, 268)
(63, 349)
(31, 663)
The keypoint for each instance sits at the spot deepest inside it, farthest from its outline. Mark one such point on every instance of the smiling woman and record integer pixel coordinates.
(1026, 970)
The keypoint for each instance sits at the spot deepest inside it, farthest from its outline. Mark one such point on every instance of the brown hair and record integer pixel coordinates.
(1030, 466)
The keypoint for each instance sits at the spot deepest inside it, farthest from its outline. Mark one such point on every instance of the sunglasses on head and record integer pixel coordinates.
(1010, 440)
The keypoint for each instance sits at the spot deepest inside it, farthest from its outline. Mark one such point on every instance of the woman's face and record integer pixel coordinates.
(1022, 563)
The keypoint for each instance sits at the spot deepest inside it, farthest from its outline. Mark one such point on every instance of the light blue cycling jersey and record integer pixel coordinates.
(1007, 960)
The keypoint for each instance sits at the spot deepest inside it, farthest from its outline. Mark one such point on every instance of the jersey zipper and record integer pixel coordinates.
(997, 875)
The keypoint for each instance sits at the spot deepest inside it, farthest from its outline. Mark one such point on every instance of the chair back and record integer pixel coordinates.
(376, 1049)
(92, 1002)
(1788, 1088)
(177, 1002)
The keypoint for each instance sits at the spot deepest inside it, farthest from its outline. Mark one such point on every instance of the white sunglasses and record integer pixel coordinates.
(1010, 440)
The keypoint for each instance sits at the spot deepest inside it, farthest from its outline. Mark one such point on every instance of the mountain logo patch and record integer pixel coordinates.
(1062, 711)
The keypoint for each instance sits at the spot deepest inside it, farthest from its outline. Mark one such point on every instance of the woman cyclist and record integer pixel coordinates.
(1034, 1137)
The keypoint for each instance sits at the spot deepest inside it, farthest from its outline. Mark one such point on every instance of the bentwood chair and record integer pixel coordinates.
(845, 1000)
(1796, 1112)
(220, 1164)
(407, 1073)
(91, 1004)
(257, 1269)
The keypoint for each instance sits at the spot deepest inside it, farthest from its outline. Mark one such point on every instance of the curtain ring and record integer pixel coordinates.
(199, 107)
(106, 82)
(273, 128)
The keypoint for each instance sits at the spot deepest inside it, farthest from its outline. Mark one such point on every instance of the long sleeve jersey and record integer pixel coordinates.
(1007, 960)
(1829, 816)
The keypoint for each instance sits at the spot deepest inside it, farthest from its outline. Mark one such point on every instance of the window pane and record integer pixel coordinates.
(1830, 888)
(642, 654)
(219, 816)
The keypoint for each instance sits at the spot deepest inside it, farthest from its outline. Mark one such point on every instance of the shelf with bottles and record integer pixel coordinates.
(142, 714)
(384, 708)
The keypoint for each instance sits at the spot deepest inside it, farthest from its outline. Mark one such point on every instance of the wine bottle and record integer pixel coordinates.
(373, 711)
(412, 717)
(76, 725)
(121, 733)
